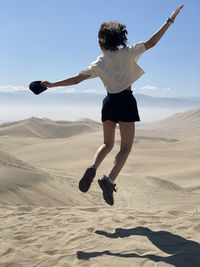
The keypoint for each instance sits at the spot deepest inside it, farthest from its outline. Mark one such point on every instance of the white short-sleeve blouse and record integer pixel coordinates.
(117, 69)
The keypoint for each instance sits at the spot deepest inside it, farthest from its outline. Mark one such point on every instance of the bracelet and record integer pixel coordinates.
(170, 21)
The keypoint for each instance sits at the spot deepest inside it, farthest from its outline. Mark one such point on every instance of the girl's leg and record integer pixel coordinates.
(109, 138)
(127, 132)
(90, 172)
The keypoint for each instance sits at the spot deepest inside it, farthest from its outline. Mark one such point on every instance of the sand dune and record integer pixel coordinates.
(34, 186)
(177, 161)
(178, 126)
(46, 221)
(46, 129)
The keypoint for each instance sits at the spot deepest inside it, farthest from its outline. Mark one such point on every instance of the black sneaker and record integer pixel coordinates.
(108, 188)
(87, 179)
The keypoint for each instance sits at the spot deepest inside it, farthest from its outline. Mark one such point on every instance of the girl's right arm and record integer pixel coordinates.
(70, 81)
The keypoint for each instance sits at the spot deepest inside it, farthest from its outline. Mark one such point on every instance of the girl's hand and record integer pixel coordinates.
(175, 12)
(46, 84)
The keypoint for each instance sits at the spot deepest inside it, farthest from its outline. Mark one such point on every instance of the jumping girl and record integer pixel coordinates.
(117, 68)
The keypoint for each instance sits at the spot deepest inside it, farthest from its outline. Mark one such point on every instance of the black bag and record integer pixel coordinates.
(37, 88)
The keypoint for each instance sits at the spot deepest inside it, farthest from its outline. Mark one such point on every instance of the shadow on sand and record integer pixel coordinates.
(183, 252)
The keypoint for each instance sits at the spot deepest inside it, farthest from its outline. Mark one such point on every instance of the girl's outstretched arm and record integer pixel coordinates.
(158, 35)
(70, 81)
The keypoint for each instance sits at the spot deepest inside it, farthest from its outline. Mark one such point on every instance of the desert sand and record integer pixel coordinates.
(45, 220)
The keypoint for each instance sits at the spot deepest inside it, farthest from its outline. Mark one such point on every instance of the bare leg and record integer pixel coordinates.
(127, 132)
(109, 137)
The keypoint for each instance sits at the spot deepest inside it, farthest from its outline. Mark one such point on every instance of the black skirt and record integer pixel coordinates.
(120, 107)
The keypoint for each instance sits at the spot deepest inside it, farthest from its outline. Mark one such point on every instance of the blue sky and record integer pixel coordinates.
(52, 40)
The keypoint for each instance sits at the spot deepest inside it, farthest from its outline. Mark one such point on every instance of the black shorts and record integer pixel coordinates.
(120, 107)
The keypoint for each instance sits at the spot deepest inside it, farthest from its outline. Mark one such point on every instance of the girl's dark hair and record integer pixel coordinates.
(112, 35)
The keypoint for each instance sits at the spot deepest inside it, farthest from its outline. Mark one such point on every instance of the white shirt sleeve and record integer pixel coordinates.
(91, 70)
(137, 50)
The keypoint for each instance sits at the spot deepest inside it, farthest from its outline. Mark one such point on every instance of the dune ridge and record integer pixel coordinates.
(46, 128)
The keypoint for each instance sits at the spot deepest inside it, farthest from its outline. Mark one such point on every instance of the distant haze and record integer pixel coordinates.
(72, 106)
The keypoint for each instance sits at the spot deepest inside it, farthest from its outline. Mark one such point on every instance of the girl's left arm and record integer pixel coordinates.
(158, 35)
(69, 81)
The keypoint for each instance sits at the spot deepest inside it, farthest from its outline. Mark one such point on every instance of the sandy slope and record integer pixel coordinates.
(178, 126)
(46, 221)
